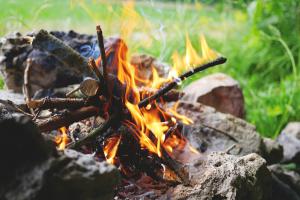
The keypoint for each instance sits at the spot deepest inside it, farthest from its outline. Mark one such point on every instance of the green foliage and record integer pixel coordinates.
(260, 39)
(1, 83)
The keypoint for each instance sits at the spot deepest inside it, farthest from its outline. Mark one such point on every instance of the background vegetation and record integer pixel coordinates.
(260, 38)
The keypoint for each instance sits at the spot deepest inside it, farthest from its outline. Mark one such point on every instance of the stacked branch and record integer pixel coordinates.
(79, 109)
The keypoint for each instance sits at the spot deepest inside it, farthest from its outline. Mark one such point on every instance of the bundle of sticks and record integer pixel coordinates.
(101, 97)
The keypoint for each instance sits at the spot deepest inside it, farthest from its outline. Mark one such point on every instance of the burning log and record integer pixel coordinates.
(47, 42)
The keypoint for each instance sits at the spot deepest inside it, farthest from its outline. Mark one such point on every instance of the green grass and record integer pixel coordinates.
(260, 40)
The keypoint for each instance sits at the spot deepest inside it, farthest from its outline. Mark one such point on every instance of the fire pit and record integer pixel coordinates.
(129, 119)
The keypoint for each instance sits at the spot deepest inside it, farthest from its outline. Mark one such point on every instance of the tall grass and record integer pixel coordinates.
(260, 39)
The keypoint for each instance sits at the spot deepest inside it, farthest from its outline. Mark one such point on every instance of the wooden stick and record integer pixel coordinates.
(59, 103)
(102, 50)
(26, 85)
(170, 131)
(104, 61)
(71, 58)
(177, 81)
(68, 118)
(96, 71)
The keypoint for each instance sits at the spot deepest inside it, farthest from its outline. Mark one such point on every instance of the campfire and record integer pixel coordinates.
(141, 132)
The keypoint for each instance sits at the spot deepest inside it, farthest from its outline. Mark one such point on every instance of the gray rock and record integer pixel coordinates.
(223, 176)
(47, 71)
(219, 91)
(216, 131)
(289, 138)
(71, 175)
(285, 183)
(144, 64)
(11, 96)
(21, 146)
(33, 169)
(273, 151)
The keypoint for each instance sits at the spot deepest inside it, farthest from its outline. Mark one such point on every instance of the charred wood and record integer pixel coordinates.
(178, 80)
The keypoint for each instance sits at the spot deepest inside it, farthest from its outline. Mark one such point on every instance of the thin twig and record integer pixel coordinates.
(170, 131)
(26, 85)
(103, 56)
(230, 148)
(178, 80)
(39, 110)
(219, 131)
(95, 69)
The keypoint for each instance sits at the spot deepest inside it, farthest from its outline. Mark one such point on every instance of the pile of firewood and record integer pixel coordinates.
(102, 94)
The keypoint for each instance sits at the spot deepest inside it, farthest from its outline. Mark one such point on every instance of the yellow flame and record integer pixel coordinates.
(191, 57)
(110, 149)
(182, 118)
(151, 121)
(62, 140)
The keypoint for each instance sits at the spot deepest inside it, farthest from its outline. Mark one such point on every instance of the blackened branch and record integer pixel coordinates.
(103, 56)
(181, 78)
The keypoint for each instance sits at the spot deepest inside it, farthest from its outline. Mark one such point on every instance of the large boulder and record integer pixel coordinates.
(223, 176)
(33, 169)
(289, 138)
(47, 71)
(219, 91)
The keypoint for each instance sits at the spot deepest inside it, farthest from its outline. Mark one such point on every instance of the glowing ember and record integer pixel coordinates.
(62, 140)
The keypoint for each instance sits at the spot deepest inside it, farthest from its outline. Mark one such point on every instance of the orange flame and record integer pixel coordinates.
(151, 121)
(110, 149)
(63, 139)
(191, 58)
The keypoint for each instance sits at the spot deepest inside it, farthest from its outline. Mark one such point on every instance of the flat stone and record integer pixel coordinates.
(219, 91)
(289, 138)
(216, 131)
(222, 176)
